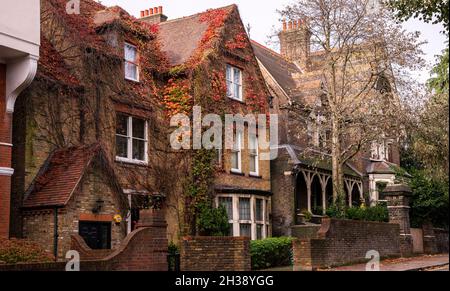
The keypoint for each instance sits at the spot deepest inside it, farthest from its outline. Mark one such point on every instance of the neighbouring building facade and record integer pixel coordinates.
(19, 54)
(301, 175)
(91, 132)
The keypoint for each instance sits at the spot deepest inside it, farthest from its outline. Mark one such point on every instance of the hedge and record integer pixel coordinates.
(15, 251)
(271, 252)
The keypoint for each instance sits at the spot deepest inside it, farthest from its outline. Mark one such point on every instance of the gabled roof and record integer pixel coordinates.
(281, 69)
(52, 65)
(59, 177)
(180, 38)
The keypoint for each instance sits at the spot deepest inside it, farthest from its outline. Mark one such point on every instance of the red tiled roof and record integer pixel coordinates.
(60, 176)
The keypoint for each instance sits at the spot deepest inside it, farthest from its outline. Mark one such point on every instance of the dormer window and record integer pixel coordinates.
(131, 63)
(234, 83)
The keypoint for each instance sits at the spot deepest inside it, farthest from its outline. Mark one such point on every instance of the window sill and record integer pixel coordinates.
(237, 173)
(237, 100)
(132, 80)
(131, 162)
(255, 176)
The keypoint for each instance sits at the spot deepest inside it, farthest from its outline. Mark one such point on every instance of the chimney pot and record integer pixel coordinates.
(284, 25)
(156, 10)
(151, 11)
(290, 25)
(161, 9)
(142, 13)
(146, 12)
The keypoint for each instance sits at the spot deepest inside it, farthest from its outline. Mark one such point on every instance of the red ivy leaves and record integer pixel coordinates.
(177, 98)
(239, 42)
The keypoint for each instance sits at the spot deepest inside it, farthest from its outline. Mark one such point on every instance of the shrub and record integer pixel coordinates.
(271, 252)
(376, 213)
(15, 251)
(212, 221)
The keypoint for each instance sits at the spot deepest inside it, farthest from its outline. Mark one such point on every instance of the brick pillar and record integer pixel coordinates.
(5, 157)
(429, 239)
(152, 218)
(398, 197)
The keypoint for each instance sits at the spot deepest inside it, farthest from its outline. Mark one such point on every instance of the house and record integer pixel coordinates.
(88, 132)
(19, 54)
(301, 175)
(91, 132)
(211, 54)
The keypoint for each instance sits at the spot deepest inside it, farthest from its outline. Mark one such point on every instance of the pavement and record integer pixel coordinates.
(419, 263)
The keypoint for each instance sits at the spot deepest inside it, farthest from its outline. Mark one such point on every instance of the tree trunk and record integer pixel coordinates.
(337, 174)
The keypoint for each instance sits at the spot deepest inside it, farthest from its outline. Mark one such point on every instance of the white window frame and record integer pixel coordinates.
(135, 63)
(238, 138)
(230, 82)
(236, 222)
(256, 173)
(130, 139)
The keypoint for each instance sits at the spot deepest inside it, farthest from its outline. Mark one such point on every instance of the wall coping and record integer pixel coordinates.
(214, 238)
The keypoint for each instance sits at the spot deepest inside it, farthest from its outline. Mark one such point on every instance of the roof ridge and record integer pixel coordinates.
(270, 50)
(195, 15)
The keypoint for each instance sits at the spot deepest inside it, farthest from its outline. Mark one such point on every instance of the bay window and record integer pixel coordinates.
(248, 214)
(131, 139)
(234, 83)
(131, 63)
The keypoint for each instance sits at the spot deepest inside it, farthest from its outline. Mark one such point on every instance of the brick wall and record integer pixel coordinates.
(215, 254)
(341, 242)
(145, 249)
(283, 202)
(5, 156)
(441, 240)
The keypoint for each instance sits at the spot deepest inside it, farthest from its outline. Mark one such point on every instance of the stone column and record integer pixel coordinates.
(398, 197)
(429, 239)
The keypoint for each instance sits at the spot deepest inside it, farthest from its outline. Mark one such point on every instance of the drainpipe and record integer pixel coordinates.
(55, 234)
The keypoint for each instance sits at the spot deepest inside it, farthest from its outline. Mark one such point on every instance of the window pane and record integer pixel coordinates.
(131, 71)
(138, 128)
(245, 229)
(130, 53)
(237, 76)
(138, 150)
(229, 73)
(259, 210)
(231, 232)
(122, 124)
(244, 209)
(227, 202)
(237, 92)
(259, 231)
(121, 147)
(235, 160)
(253, 164)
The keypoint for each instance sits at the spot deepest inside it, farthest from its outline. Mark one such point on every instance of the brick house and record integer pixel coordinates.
(87, 132)
(19, 54)
(90, 134)
(301, 175)
(211, 51)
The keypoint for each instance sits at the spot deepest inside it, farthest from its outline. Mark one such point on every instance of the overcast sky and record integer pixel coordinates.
(263, 18)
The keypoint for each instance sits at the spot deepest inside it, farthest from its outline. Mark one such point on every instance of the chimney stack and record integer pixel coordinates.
(153, 15)
(295, 41)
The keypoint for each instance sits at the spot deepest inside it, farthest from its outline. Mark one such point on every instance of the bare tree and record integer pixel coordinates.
(361, 55)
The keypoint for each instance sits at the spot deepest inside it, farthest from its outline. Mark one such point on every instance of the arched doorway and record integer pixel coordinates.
(316, 196)
(356, 199)
(301, 194)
